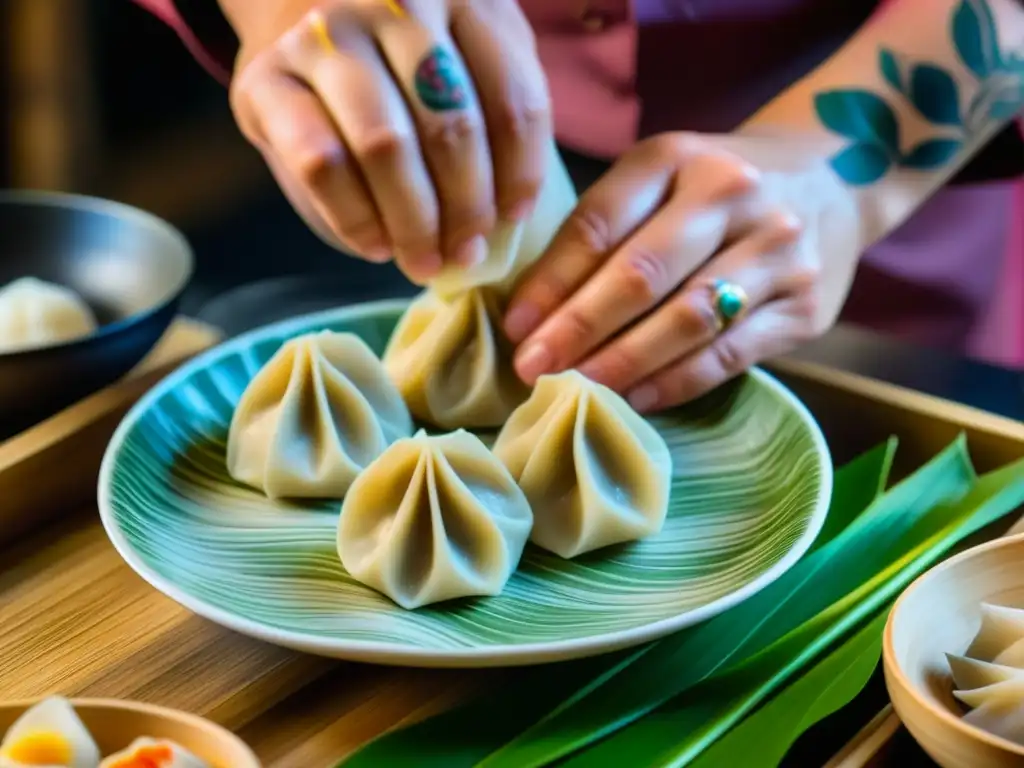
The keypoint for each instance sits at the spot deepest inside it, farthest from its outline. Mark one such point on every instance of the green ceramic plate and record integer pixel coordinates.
(750, 491)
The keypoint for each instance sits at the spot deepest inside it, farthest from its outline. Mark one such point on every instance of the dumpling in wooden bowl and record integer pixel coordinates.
(145, 752)
(594, 471)
(49, 734)
(315, 415)
(434, 518)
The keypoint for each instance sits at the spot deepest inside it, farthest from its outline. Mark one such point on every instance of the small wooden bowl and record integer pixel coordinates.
(116, 724)
(940, 613)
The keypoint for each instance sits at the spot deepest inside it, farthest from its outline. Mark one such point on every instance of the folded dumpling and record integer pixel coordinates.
(513, 247)
(145, 752)
(594, 471)
(434, 518)
(49, 734)
(971, 673)
(451, 362)
(34, 313)
(314, 416)
(999, 637)
(989, 677)
(997, 708)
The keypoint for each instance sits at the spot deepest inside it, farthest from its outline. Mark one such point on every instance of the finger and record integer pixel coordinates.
(609, 213)
(497, 44)
(687, 321)
(773, 330)
(439, 90)
(646, 269)
(312, 161)
(360, 94)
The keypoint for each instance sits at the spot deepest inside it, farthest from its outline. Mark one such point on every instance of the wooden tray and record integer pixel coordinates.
(924, 425)
(80, 623)
(54, 465)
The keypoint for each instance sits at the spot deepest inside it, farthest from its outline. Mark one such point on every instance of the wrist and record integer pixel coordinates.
(910, 98)
(260, 22)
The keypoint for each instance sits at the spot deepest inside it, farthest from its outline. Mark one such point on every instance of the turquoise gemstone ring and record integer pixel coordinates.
(729, 300)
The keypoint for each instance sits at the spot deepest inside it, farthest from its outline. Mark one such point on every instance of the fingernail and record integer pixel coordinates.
(520, 211)
(427, 264)
(520, 322)
(471, 252)
(534, 361)
(379, 254)
(643, 398)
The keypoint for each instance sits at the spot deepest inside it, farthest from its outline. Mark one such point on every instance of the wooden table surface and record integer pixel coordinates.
(75, 620)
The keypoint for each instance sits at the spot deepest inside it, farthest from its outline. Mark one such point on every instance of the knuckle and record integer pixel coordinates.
(643, 276)
(619, 364)
(451, 135)
(783, 227)
(380, 144)
(672, 144)
(364, 232)
(313, 165)
(693, 314)
(729, 357)
(519, 121)
(805, 279)
(577, 324)
(589, 228)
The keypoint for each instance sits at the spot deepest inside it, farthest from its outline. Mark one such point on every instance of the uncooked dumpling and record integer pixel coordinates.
(989, 677)
(513, 247)
(452, 363)
(34, 313)
(145, 752)
(432, 519)
(314, 416)
(595, 472)
(1001, 629)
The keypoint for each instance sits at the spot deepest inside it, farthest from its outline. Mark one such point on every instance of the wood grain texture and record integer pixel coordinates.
(74, 619)
(78, 622)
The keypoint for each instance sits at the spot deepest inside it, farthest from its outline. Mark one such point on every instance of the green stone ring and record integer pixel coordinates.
(729, 300)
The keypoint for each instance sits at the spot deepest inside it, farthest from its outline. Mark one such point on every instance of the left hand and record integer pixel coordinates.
(625, 293)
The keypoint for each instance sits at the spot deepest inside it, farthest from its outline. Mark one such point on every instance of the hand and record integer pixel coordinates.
(396, 129)
(624, 293)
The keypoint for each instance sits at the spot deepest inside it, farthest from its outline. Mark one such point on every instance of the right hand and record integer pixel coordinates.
(396, 135)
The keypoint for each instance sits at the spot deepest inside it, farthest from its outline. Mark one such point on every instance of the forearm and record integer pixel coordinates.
(909, 99)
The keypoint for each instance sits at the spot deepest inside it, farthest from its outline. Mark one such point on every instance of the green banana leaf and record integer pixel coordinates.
(467, 734)
(762, 740)
(877, 542)
(655, 740)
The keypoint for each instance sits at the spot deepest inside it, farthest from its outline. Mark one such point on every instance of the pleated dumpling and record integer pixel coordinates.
(314, 416)
(514, 246)
(432, 519)
(451, 362)
(594, 471)
(989, 677)
(1000, 638)
(34, 313)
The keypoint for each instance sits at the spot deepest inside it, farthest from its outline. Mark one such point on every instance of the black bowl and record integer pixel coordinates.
(129, 266)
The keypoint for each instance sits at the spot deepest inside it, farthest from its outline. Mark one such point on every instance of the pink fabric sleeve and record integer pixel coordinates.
(213, 56)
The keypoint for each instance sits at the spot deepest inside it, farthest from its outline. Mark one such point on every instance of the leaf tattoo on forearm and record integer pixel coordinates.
(872, 125)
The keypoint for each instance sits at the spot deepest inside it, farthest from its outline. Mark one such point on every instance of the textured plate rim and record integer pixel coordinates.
(403, 655)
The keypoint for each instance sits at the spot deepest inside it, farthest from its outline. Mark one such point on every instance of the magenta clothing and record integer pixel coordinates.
(621, 70)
